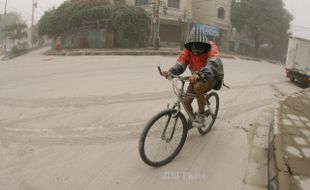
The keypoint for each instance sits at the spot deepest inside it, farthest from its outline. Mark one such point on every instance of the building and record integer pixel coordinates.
(177, 17)
(174, 18)
(215, 17)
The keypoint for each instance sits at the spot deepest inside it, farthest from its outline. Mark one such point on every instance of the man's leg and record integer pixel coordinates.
(189, 100)
(200, 88)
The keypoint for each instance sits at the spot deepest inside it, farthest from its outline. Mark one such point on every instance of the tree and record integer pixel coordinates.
(130, 24)
(17, 32)
(12, 18)
(264, 21)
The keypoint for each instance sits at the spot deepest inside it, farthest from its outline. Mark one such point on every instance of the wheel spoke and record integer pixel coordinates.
(155, 149)
(213, 103)
(158, 150)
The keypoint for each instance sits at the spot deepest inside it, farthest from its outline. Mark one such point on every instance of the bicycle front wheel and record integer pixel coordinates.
(213, 102)
(163, 138)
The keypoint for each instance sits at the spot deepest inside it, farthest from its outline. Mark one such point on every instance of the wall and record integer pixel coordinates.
(205, 11)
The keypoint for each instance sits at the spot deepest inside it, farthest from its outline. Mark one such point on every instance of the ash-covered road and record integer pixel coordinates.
(74, 123)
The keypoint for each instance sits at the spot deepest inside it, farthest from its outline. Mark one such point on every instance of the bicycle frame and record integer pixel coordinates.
(181, 94)
(177, 105)
(168, 128)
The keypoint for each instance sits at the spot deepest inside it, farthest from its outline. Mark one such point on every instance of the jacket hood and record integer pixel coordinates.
(197, 35)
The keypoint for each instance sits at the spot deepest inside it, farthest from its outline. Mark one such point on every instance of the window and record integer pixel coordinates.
(142, 2)
(174, 3)
(221, 13)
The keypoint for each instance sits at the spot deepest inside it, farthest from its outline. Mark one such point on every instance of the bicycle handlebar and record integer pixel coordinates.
(179, 77)
(160, 72)
(172, 76)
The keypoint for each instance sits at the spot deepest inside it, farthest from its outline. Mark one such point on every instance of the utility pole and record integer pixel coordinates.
(157, 24)
(6, 3)
(32, 19)
(184, 27)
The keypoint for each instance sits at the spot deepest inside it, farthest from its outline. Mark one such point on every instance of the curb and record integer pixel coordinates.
(146, 53)
(121, 53)
(257, 166)
(7, 58)
(118, 53)
(281, 176)
(250, 58)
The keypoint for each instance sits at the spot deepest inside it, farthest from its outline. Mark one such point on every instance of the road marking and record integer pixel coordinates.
(106, 128)
(87, 128)
(80, 129)
(129, 124)
(27, 130)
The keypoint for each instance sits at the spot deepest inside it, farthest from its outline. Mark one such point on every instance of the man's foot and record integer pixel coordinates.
(199, 120)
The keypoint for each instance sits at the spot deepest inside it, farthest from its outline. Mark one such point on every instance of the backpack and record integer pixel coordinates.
(219, 83)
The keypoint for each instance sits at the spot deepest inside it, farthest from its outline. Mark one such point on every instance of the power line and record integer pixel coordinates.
(22, 11)
(25, 14)
(299, 26)
(9, 6)
(42, 8)
(296, 29)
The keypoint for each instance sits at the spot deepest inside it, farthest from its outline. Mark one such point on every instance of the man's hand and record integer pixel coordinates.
(193, 79)
(166, 74)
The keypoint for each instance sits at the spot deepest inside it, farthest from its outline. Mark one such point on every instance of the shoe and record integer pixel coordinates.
(199, 120)
(207, 113)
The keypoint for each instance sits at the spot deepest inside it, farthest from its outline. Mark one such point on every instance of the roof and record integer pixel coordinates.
(300, 38)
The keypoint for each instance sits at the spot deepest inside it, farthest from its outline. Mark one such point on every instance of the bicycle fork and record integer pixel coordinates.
(175, 115)
(164, 135)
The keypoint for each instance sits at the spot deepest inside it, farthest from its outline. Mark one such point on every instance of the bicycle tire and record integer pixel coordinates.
(206, 129)
(149, 125)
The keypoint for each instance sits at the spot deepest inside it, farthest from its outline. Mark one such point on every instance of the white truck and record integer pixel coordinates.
(298, 60)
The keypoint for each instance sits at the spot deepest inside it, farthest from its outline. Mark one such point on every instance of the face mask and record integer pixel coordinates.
(197, 49)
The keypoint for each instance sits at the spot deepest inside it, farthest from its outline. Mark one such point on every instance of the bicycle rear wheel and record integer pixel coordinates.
(212, 99)
(163, 138)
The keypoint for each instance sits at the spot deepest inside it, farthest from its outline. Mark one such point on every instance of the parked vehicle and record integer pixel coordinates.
(298, 60)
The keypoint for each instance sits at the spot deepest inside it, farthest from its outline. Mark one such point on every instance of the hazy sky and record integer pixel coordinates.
(25, 7)
(299, 8)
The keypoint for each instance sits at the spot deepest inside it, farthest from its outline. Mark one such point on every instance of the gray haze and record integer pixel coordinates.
(25, 7)
(299, 9)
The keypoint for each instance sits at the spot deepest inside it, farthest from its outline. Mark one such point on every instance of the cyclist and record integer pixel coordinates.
(202, 58)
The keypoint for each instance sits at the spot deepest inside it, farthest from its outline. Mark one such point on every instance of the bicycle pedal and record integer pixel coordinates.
(198, 125)
(189, 125)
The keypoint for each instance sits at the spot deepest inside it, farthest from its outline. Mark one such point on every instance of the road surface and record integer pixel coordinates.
(74, 123)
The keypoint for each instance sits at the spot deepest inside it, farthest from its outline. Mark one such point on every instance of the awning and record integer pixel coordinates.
(210, 30)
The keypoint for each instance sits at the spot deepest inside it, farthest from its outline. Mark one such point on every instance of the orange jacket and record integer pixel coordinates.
(197, 62)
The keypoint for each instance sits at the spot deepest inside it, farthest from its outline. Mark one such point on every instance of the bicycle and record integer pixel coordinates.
(167, 132)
